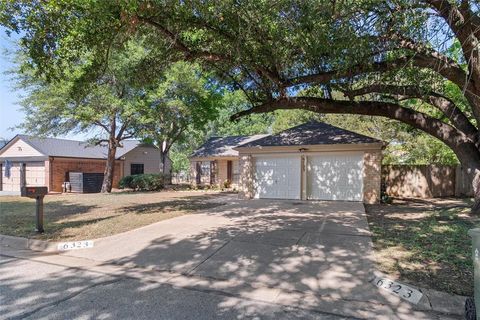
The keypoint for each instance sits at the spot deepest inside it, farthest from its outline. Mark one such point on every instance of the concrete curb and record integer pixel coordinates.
(432, 300)
(28, 244)
(442, 302)
(236, 288)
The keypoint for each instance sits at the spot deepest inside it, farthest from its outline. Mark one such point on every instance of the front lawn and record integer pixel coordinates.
(425, 242)
(90, 216)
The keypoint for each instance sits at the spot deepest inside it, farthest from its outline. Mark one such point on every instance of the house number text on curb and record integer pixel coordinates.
(63, 246)
(405, 292)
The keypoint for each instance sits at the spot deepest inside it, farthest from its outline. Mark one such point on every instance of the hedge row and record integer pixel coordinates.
(144, 182)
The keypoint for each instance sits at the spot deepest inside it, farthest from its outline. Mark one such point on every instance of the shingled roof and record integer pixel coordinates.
(311, 133)
(54, 147)
(223, 146)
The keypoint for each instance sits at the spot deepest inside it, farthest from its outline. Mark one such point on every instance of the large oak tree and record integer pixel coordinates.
(381, 54)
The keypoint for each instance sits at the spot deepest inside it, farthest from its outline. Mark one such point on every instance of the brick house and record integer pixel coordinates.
(313, 161)
(47, 161)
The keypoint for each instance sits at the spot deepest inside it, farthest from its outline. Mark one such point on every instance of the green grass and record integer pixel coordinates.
(428, 247)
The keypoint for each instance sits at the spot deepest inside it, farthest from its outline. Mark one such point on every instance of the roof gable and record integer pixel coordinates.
(222, 146)
(18, 147)
(54, 147)
(311, 133)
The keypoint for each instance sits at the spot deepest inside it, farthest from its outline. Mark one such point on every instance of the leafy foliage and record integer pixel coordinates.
(182, 97)
(415, 62)
(58, 108)
(143, 182)
(231, 103)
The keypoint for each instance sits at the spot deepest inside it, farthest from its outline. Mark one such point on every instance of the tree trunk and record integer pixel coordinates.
(167, 173)
(474, 174)
(109, 167)
(471, 163)
(476, 193)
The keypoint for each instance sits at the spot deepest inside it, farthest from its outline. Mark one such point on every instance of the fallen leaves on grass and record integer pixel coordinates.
(425, 243)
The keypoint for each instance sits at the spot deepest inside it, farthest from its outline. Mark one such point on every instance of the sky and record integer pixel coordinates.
(11, 114)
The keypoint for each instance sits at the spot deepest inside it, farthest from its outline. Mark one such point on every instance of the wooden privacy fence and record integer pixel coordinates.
(425, 181)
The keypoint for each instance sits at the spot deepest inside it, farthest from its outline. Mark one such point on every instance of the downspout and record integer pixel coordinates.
(50, 174)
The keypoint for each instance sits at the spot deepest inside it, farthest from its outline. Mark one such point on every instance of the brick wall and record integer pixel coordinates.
(60, 166)
(372, 178)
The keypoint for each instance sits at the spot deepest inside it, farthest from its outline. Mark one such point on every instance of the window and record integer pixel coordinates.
(236, 172)
(205, 168)
(136, 168)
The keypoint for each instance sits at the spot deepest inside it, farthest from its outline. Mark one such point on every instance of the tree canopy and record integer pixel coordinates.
(415, 61)
(181, 99)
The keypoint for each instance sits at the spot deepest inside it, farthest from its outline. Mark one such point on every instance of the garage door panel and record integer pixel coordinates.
(335, 177)
(277, 177)
(11, 183)
(35, 176)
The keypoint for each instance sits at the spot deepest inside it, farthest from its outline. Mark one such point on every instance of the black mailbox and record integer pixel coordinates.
(37, 193)
(33, 192)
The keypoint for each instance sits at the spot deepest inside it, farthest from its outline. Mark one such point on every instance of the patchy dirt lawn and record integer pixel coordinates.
(425, 242)
(90, 216)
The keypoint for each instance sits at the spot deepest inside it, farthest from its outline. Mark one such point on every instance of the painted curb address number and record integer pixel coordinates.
(405, 292)
(64, 246)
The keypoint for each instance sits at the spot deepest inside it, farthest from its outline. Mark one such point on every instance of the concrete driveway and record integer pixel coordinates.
(244, 259)
(307, 254)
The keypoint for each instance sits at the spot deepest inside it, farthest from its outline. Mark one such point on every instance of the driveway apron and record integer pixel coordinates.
(316, 249)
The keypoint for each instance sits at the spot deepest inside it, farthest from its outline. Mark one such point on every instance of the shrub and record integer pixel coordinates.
(227, 184)
(125, 182)
(144, 182)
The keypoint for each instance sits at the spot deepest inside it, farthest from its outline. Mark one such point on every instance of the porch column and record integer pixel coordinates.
(213, 172)
(372, 176)
(246, 176)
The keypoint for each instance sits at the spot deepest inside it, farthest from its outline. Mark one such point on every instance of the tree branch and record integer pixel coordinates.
(445, 132)
(424, 50)
(465, 24)
(451, 72)
(442, 103)
(179, 45)
(205, 55)
(98, 123)
(124, 126)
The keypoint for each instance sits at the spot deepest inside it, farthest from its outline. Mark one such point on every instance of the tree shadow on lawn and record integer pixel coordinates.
(425, 242)
(18, 217)
(187, 204)
(71, 218)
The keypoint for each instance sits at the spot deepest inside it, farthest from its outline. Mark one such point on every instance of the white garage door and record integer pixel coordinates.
(35, 176)
(335, 177)
(277, 177)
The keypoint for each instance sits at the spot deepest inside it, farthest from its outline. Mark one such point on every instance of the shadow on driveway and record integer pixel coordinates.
(311, 255)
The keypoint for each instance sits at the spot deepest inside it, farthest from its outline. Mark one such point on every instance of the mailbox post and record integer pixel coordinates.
(37, 193)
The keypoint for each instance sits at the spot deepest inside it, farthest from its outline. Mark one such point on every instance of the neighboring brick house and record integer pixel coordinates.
(313, 161)
(48, 161)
